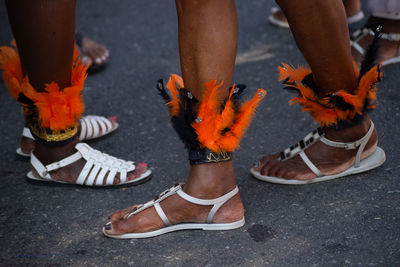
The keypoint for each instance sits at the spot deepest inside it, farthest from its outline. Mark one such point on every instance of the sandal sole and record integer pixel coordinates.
(143, 178)
(179, 227)
(369, 163)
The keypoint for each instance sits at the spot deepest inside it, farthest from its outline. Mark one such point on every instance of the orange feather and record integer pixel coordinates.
(243, 119)
(174, 104)
(57, 108)
(321, 109)
(12, 71)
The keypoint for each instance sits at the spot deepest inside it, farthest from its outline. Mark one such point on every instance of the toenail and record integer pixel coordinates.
(98, 60)
(113, 118)
(256, 164)
(107, 226)
(143, 164)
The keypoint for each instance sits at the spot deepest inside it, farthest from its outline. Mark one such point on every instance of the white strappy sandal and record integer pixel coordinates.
(361, 33)
(375, 160)
(92, 127)
(100, 169)
(177, 189)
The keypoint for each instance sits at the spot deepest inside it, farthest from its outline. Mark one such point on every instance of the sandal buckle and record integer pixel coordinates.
(350, 146)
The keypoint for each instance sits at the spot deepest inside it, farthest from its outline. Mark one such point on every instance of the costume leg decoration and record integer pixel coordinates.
(213, 131)
(340, 110)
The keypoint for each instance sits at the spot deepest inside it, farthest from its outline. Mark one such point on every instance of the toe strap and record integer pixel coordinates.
(307, 141)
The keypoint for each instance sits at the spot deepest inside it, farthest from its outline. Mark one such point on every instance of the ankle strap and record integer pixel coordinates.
(217, 202)
(361, 143)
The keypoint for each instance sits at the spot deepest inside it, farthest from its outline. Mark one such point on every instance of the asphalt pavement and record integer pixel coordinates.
(353, 221)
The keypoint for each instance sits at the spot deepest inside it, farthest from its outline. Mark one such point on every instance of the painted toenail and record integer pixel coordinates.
(256, 164)
(113, 118)
(107, 226)
(143, 164)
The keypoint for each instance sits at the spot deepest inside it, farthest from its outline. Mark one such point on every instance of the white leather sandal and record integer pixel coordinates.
(92, 127)
(375, 160)
(361, 33)
(177, 189)
(100, 169)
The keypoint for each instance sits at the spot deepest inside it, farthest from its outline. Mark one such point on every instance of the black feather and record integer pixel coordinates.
(182, 121)
(340, 103)
(371, 52)
(236, 97)
(161, 90)
(239, 90)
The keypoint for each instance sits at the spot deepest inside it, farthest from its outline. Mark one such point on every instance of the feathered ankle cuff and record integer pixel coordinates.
(340, 109)
(211, 131)
(52, 115)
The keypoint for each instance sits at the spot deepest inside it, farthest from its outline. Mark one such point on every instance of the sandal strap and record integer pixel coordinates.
(390, 36)
(27, 133)
(161, 214)
(309, 164)
(177, 189)
(360, 144)
(64, 162)
(307, 141)
(94, 172)
(92, 126)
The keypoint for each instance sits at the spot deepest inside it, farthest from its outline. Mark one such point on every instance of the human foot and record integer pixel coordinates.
(90, 127)
(77, 163)
(389, 44)
(329, 160)
(206, 181)
(352, 7)
(92, 53)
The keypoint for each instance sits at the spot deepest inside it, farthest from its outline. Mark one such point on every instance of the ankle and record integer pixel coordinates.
(349, 134)
(210, 180)
(51, 153)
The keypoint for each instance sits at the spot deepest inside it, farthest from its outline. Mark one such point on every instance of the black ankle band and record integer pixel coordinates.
(342, 125)
(201, 156)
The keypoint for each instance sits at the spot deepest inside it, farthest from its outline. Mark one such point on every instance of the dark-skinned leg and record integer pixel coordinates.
(322, 23)
(207, 43)
(46, 53)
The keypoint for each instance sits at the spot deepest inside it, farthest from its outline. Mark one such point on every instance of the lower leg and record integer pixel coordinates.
(322, 23)
(46, 54)
(207, 44)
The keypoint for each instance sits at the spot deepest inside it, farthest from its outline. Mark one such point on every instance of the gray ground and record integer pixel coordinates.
(350, 221)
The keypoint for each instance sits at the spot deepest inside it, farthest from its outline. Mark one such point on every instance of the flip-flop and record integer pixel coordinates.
(100, 168)
(92, 127)
(376, 159)
(177, 189)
